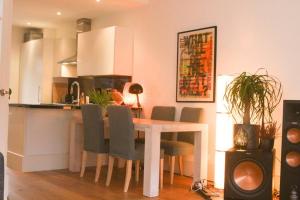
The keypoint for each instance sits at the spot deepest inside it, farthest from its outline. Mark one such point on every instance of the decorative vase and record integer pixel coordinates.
(246, 136)
(266, 144)
(240, 139)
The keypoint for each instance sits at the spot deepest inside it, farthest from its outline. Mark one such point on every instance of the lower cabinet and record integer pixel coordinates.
(38, 139)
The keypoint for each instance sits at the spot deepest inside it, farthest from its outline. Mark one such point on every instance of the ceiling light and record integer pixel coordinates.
(58, 13)
(28, 23)
(98, 0)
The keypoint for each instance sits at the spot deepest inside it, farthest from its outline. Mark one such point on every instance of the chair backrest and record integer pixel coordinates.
(163, 113)
(93, 128)
(121, 132)
(189, 115)
(166, 113)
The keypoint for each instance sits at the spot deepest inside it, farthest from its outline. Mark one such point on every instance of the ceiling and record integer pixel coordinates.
(43, 13)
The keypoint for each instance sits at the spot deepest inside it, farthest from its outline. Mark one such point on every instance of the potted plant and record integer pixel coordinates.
(103, 99)
(267, 136)
(252, 98)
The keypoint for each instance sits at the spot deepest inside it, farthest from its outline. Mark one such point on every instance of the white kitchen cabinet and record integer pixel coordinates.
(64, 48)
(107, 51)
(36, 71)
(38, 138)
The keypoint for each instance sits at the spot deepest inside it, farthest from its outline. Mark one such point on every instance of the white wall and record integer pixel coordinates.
(251, 34)
(66, 30)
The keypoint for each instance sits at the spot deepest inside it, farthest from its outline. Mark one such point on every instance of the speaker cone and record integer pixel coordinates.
(248, 176)
(293, 135)
(293, 159)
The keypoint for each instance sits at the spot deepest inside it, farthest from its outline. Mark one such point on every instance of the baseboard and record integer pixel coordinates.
(32, 163)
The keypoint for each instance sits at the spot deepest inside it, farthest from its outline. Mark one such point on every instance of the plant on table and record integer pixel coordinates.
(102, 98)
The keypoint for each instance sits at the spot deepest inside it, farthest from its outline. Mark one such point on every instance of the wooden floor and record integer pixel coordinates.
(64, 185)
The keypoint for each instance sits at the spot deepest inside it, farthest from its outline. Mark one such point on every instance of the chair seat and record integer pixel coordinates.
(175, 148)
(139, 152)
(104, 149)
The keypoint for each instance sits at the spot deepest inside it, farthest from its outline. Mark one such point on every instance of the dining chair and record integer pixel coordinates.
(122, 144)
(94, 141)
(166, 113)
(184, 145)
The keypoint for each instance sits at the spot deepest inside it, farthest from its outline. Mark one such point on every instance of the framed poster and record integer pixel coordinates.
(196, 65)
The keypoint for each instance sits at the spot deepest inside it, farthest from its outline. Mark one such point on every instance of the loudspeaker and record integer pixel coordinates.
(248, 175)
(290, 150)
(1, 177)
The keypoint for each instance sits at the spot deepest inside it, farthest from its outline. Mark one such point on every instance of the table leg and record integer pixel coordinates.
(201, 154)
(151, 161)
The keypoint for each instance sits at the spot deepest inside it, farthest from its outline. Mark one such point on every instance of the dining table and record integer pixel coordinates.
(152, 130)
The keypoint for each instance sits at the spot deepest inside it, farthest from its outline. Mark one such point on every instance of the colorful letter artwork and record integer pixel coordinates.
(196, 65)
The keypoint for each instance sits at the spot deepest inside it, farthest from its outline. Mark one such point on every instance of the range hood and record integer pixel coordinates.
(82, 25)
(69, 61)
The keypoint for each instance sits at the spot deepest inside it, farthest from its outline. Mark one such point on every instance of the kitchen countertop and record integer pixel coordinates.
(46, 106)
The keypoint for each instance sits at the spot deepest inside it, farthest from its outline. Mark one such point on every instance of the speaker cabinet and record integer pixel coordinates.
(248, 175)
(290, 149)
(1, 177)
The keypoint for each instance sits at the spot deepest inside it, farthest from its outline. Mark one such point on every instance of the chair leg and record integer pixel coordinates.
(172, 169)
(83, 163)
(161, 173)
(110, 169)
(121, 163)
(128, 174)
(180, 165)
(100, 158)
(137, 170)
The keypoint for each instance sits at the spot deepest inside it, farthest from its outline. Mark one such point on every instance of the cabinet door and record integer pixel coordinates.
(123, 51)
(31, 69)
(96, 52)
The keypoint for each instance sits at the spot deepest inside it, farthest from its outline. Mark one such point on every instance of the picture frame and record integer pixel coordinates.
(196, 65)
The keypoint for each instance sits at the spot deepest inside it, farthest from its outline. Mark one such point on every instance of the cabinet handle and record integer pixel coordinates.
(39, 88)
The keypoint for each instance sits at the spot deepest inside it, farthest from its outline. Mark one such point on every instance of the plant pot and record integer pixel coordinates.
(246, 136)
(266, 144)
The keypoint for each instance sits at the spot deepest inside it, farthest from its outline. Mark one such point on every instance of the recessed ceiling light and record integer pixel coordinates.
(28, 23)
(58, 13)
(98, 0)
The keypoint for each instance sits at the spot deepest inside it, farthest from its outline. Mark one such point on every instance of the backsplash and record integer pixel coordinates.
(100, 82)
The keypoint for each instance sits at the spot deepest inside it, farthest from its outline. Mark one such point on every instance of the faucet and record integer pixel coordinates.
(78, 92)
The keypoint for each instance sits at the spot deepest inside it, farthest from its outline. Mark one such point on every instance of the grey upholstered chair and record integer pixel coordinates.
(122, 143)
(184, 144)
(94, 141)
(166, 113)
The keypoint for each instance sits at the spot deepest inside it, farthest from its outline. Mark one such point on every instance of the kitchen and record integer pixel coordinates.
(47, 88)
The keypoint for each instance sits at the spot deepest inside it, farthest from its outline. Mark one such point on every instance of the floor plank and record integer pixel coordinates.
(64, 185)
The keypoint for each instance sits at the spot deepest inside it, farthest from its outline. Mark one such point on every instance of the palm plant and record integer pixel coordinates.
(253, 97)
(101, 98)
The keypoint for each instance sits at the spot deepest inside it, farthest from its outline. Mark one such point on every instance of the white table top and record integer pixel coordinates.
(167, 126)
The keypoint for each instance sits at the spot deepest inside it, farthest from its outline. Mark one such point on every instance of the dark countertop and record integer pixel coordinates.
(46, 106)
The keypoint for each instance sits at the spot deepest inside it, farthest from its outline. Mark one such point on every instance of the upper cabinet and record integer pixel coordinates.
(107, 51)
(36, 70)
